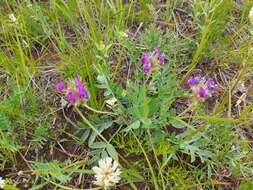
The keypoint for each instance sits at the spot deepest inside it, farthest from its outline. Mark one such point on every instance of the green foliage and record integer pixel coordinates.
(211, 18)
(246, 185)
(8, 149)
(151, 37)
(52, 170)
(10, 187)
(145, 121)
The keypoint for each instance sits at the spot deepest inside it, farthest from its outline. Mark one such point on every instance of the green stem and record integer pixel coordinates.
(149, 164)
(156, 158)
(68, 188)
(97, 111)
(90, 125)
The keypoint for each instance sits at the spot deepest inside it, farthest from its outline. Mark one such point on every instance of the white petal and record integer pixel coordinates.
(2, 181)
(101, 163)
(97, 170)
(108, 161)
(115, 165)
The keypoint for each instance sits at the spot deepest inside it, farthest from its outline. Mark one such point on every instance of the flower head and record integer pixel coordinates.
(202, 88)
(152, 60)
(107, 173)
(12, 17)
(194, 81)
(2, 183)
(75, 91)
(251, 16)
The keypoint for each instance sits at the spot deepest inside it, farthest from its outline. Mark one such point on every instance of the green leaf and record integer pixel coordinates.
(134, 125)
(98, 145)
(5, 123)
(101, 128)
(10, 187)
(112, 152)
(53, 169)
(179, 124)
(85, 136)
(246, 185)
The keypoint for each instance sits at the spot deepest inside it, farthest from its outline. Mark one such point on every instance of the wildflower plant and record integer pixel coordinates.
(75, 91)
(139, 116)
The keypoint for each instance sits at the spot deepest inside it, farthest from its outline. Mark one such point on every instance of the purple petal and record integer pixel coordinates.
(162, 59)
(202, 92)
(193, 81)
(78, 80)
(81, 90)
(157, 50)
(60, 87)
(210, 84)
(144, 58)
(71, 97)
(146, 68)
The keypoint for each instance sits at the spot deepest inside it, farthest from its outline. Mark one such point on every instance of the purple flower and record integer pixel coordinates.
(202, 88)
(146, 62)
(60, 87)
(81, 90)
(71, 97)
(193, 81)
(144, 58)
(202, 92)
(78, 80)
(162, 59)
(147, 68)
(211, 85)
(157, 50)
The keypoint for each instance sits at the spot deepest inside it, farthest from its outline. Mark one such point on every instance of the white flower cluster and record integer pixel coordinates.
(2, 182)
(251, 16)
(12, 18)
(107, 173)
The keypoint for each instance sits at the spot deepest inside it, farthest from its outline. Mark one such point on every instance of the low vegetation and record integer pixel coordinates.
(138, 95)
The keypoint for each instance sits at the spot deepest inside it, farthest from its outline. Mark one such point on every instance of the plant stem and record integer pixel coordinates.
(97, 111)
(149, 164)
(90, 125)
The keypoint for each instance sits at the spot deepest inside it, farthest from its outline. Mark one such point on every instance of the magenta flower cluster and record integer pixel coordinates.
(75, 90)
(152, 59)
(201, 87)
